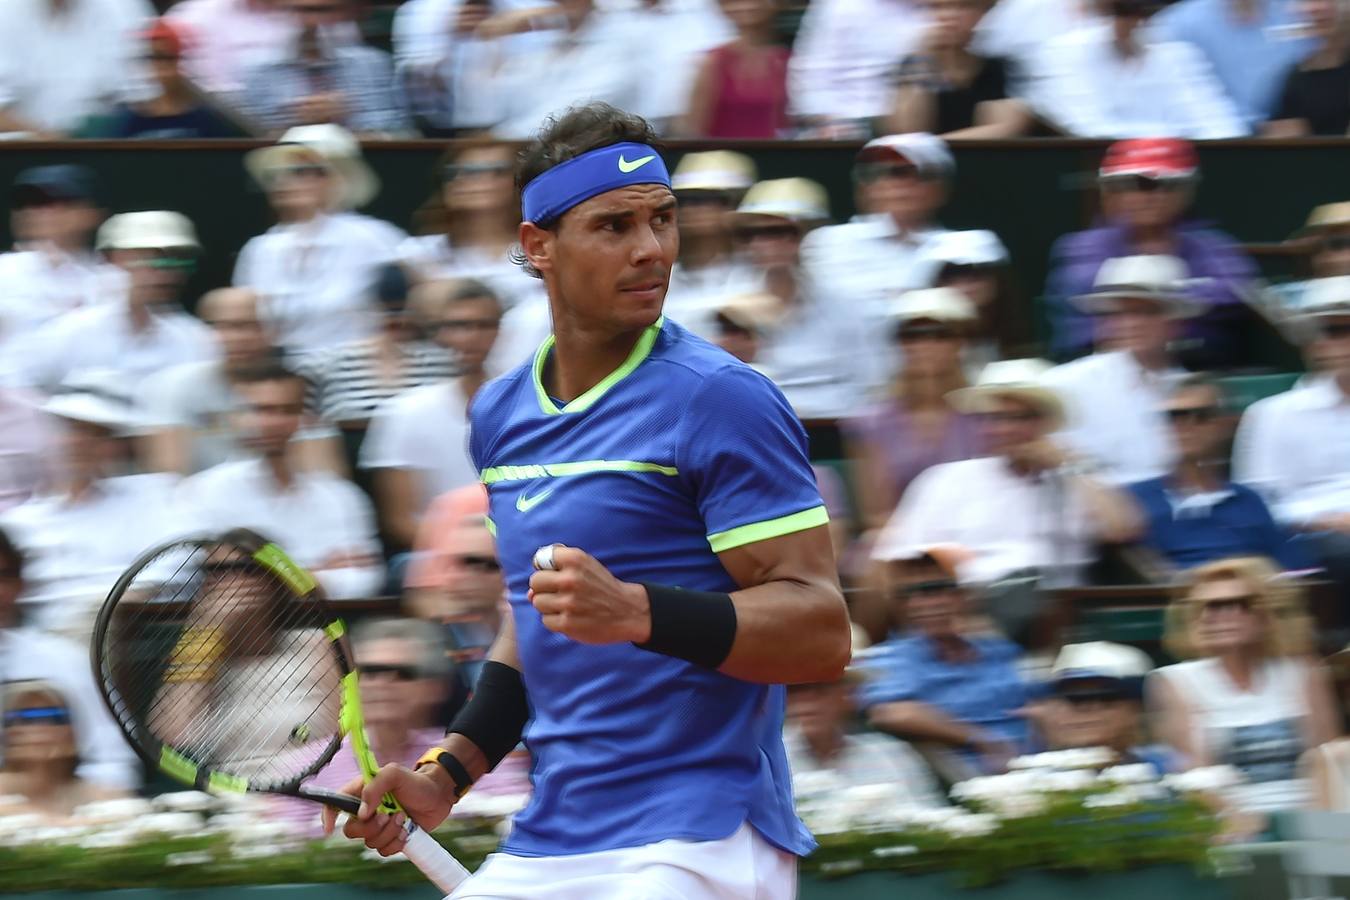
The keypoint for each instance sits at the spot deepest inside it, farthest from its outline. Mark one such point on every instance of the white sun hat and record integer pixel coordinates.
(1020, 379)
(331, 146)
(1159, 278)
(159, 229)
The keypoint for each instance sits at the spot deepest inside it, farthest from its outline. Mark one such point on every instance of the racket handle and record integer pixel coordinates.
(434, 861)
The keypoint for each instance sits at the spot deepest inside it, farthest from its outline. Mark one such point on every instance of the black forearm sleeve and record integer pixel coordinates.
(495, 716)
(698, 626)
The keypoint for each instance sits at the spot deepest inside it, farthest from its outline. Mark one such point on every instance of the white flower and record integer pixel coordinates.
(1017, 806)
(1205, 779)
(189, 858)
(971, 825)
(186, 801)
(19, 824)
(170, 823)
(123, 809)
(96, 840)
(1135, 773)
(1068, 780)
(1124, 796)
(255, 851)
(903, 850)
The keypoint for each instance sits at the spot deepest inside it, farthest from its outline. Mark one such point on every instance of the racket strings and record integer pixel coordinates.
(212, 655)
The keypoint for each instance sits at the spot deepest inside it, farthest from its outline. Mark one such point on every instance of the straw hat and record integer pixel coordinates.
(1328, 215)
(1324, 297)
(753, 311)
(154, 230)
(331, 146)
(714, 170)
(799, 200)
(941, 304)
(1019, 379)
(1158, 278)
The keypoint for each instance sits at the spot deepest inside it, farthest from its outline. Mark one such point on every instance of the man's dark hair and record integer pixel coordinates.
(472, 289)
(1196, 381)
(578, 130)
(11, 557)
(269, 368)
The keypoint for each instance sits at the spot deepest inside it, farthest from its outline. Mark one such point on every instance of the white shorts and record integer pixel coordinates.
(743, 866)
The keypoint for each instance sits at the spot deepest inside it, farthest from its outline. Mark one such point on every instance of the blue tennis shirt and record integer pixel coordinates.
(681, 453)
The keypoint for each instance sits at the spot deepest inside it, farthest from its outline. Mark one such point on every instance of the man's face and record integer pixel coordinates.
(37, 731)
(468, 328)
(1322, 16)
(1137, 325)
(705, 215)
(481, 179)
(934, 604)
(609, 258)
(1094, 713)
(393, 693)
(1197, 428)
(233, 317)
(299, 189)
(90, 450)
(1331, 347)
(314, 14)
(1138, 201)
(820, 710)
(66, 223)
(1008, 423)
(478, 588)
(162, 57)
(891, 185)
(157, 276)
(769, 241)
(1331, 253)
(271, 414)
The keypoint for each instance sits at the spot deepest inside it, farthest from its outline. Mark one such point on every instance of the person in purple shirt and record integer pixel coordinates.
(1147, 185)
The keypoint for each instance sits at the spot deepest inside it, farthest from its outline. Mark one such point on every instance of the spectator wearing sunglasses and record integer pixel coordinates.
(1115, 396)
(948, 89)
(176, 110)
(1114, 79)
(1195, 514)
(1252, 45)
(799, 351)
(901, 181)
(418, 444)
(976, 263)
(317, 266)
(1291, 448)
(942, 680)
(141, 333)
(914, 427)
(32, 656)
(1028, 510)
(1096, 700)
(1247, 694)
(1146, 187)
(40, 772)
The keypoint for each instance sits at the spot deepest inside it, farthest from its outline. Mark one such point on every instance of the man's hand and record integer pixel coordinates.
(1041, 455)
(579, 598)
(420, 794)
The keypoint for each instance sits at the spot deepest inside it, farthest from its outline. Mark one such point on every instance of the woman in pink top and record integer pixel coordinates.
(741, 87)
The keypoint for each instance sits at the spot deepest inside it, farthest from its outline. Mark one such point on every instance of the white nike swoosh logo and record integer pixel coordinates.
(625, 166)
(525, 504)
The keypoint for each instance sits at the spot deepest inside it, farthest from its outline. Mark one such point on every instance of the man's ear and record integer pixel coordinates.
(537, 245)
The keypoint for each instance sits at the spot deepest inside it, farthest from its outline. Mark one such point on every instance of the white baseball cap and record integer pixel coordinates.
(154, 230)
(1325, 297)
(1097, 660)
(942, 304)
(928, 152)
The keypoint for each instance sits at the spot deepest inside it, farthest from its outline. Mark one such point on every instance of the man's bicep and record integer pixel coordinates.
(805, 556)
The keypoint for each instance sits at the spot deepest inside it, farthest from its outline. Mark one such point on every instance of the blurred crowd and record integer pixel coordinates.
(835, 69)
(321, 399)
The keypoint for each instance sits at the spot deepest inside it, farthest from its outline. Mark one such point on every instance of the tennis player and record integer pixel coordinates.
(668, 565)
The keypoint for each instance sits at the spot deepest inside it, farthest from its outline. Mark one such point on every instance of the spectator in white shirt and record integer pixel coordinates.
(418, 443)
(902, 182)
(30, 655)
(1113, 80)
(1292, 448)
(55, 211)
(63, 60)
(79, 537)
(1025, 510)
(708, 185)
(800, 350)
(1115, 397)
(844, 60)
(144, 331)
(323, 521)
(191, 406)
(317, 266)
(27, 448)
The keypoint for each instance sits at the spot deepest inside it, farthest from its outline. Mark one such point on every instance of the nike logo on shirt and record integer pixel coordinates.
(525, 504)
(625, 166)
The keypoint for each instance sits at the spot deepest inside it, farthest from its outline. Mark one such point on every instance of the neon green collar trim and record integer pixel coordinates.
(641, 350)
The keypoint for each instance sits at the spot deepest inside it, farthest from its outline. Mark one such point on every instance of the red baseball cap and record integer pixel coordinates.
(1151, 158)
(172, 33)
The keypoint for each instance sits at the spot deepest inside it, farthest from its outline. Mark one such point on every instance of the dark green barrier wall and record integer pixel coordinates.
(1030, 192)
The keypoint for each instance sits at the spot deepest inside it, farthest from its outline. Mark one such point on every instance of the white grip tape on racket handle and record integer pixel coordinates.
(434, 861)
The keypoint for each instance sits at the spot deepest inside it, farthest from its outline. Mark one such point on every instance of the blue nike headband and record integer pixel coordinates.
(555, 191)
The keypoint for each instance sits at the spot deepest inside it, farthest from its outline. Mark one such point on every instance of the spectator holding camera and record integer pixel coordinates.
(1146, 187)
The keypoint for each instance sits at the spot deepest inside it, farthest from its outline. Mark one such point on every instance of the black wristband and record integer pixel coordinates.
(697, 626)
(455, 769)
(495, 716)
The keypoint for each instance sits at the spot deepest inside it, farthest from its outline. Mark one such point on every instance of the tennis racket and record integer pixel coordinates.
(227, 671)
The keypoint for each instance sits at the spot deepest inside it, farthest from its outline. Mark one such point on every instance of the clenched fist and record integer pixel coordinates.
(579, 598)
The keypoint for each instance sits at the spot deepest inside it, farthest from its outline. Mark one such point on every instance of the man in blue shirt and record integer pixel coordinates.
(948, 681)
(667, 562)
(1195, 514)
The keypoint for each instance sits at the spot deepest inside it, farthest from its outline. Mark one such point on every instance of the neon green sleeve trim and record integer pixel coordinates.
(762, 531)
(491, 525)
